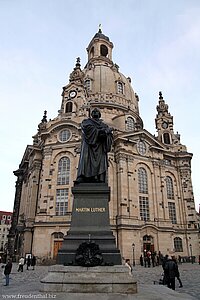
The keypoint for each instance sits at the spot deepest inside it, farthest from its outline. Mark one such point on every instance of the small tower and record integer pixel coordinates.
(100, 47)
(164, 124)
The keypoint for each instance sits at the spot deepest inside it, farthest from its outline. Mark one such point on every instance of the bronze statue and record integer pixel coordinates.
(97, 139)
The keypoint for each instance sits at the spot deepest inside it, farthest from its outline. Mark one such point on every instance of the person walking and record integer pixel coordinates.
(28, 262)
(21, 264)
(177, 272)
(145, 259)
(141, 260)
(170, 272)
(33, 262)
(153, 259)
(128, 264)
(7, 271)
(163, 266)
(149, 258)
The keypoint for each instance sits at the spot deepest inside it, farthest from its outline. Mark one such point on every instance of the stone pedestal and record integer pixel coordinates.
(90, 223)
(101, 279)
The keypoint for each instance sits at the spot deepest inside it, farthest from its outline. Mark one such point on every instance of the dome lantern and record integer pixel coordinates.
(100, 47)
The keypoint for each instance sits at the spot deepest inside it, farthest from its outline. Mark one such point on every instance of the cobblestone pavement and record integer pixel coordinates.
(28, 282)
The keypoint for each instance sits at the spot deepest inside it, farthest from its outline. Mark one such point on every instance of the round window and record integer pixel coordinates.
(64, 135)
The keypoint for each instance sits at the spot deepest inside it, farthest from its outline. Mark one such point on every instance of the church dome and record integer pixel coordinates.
(102, 79)
(101, 84)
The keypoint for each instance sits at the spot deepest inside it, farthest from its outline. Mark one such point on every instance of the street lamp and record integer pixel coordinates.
(191, 253)
(133, 245)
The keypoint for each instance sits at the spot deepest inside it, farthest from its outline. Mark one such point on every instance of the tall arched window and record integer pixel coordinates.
(170, 188)
(68, 107)
(88, 85)
(178, 245)
(63, 171)
(92, 52)
(166, 138)
(142, 181)
(130, 124)
(143, 189)
(103, 50)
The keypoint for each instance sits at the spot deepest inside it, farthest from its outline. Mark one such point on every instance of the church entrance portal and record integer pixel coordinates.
(148, 243)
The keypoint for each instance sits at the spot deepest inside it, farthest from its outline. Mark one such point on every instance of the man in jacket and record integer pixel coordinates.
(7, 271)
(170, 269)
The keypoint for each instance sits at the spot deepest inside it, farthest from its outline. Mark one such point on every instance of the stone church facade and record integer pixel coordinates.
(151, 203)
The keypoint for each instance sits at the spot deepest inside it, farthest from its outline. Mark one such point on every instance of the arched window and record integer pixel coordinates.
(148, 238)
(170, 189)
(104, 50)
(63, 171)
(142, 181)
(92, 52)
(130, 124)
(68, 107)
(178, 245)
(166, 138)
(58, 235)
(88, 85)
(120, 87)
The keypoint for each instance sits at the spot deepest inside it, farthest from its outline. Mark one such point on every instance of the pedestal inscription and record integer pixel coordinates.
(90, 224)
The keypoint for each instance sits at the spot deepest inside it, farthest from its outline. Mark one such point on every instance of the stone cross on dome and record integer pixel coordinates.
(100, 30)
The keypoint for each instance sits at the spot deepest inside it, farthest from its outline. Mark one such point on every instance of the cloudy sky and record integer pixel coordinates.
(156, 43)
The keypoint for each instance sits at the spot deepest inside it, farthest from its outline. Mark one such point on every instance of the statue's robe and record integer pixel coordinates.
(97, 139)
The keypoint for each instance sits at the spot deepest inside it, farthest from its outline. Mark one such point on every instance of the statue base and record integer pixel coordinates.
(101, 279)
(90, 231)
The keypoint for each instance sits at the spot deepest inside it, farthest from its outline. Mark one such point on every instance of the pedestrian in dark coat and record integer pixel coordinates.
(33, 262)
(145, 261)
(7, 271)
(149, 259)
(163, 266)
(177, 273)
(28, 262)
(170, 271)
(141, 260)
(153, 258)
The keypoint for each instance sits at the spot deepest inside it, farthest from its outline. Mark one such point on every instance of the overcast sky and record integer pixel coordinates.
(156, 43)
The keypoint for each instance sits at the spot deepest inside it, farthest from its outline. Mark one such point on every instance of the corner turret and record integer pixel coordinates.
(164, 126)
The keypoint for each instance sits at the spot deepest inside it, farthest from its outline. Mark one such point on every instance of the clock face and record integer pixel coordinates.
(72, 94)
(164, 125)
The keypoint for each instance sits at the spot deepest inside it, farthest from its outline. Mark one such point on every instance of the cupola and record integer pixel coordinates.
(100, 47)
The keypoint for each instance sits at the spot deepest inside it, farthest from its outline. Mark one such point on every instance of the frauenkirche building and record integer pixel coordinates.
(151, 204)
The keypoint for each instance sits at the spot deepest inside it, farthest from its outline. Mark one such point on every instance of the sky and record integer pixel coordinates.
(156, 43)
